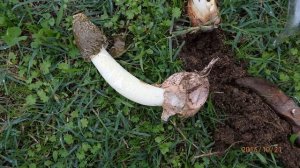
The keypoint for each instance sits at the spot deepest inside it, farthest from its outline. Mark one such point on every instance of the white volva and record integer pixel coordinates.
(201, 5)
(204, 7)
(125, 83)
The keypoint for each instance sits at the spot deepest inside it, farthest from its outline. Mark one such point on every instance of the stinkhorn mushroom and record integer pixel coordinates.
(182, 93)
(203, 13)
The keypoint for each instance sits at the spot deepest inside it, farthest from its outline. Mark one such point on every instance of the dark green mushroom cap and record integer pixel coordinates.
(88, 37)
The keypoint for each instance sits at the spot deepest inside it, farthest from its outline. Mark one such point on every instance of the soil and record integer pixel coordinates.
(250, 122)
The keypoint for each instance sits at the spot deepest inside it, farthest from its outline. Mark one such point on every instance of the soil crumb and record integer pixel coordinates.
(250, 122)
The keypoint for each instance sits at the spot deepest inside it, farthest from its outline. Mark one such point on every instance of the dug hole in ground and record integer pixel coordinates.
(249, 120)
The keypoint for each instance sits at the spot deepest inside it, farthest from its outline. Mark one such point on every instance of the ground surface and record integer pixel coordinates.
(57, 111)
(250, 121)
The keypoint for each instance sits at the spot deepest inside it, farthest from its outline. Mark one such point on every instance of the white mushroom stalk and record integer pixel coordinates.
(183, 93)
(125, 83)
(203, 13)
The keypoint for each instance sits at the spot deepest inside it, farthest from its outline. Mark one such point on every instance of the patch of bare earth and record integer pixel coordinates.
(250, 122)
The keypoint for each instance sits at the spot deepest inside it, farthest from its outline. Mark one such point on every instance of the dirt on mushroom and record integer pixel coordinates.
(250, 122)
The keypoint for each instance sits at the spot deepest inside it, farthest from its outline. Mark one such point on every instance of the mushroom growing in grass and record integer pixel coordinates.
(182, 93)
(203, 14)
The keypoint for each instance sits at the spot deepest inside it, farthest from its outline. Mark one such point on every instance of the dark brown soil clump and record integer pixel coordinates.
(250, 121)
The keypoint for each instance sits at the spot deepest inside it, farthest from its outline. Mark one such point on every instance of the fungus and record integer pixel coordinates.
(203, 13)
(183, 93)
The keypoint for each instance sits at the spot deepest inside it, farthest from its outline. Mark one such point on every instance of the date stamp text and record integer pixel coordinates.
(264, 149)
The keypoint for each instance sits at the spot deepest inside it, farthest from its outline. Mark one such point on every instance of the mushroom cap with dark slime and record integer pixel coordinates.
(88, 37)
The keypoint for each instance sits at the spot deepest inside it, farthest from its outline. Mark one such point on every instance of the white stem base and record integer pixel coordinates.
(125, 83)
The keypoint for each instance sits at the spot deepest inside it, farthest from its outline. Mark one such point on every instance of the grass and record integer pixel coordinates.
(56, 111)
